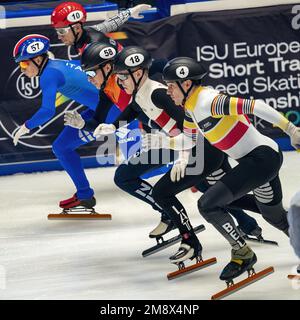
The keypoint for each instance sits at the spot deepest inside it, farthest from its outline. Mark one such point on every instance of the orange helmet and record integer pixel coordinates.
(67, 13)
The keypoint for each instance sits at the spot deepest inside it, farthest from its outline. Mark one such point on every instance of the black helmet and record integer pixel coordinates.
(98, 53)
(183, 68)
(131, 58)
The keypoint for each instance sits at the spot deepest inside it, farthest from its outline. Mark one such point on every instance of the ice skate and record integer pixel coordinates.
(242, 260)
(189, 249)
(256, 236)
(164, 226)
(163, 244)
(76, 209)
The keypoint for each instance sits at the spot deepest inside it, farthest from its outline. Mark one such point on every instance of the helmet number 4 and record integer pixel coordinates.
(182, 72)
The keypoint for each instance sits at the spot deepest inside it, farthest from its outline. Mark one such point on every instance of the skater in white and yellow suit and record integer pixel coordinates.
(223, 121)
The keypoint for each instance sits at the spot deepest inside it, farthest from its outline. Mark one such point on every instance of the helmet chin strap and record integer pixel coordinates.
(185, 94)
(136, 83)
(42, 65)
(75, 34)
(105, 76)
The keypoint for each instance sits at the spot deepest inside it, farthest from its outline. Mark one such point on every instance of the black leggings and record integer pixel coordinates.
(257, 172)
(165, 191)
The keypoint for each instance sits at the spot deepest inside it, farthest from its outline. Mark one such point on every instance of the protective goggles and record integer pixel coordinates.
(91, 73)
(24, 64)
(123, 76)
(62, 31)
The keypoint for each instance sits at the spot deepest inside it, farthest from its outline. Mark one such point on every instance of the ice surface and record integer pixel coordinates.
(41, 259)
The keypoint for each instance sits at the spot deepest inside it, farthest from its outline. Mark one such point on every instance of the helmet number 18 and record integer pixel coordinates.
(134, 60)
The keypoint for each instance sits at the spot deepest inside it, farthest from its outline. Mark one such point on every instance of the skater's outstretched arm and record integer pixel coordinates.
(115, 22)
(222, 105)
(183, 141)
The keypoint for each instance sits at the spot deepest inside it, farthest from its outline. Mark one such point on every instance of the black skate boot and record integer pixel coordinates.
(298, 269)
(189, 248)
(242, 260)
(164, 226)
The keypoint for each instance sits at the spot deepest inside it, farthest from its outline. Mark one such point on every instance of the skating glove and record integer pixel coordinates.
(135, 11)
(179, 167)
(21, 131)
(73, 119)
(152, 141)
(294, 133)
(104, 129)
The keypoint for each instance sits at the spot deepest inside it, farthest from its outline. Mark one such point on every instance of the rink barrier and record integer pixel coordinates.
(15, 108)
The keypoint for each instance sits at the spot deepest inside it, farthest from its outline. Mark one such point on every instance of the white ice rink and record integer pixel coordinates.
(41, 259)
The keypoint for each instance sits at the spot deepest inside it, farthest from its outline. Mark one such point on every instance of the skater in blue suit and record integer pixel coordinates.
(67, 78)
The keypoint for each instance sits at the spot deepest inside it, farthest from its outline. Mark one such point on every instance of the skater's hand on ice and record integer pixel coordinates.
(294, 133)
(179, 167)
(104, 129)
(135, 11)
(73, 119)
(21, 131)
(155, 141)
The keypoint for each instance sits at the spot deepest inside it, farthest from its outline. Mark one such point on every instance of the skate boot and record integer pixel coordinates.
(298, 269)
(164, 226)
(85, 203)
(78, 209)
(189, 248)
(242, 260)
(66, 202)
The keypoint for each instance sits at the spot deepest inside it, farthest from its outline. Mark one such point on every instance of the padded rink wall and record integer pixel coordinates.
(249, 52)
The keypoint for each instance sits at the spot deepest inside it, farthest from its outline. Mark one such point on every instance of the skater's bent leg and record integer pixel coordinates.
(127, 178)
(212, 207)
(64, 149)
(269, 201)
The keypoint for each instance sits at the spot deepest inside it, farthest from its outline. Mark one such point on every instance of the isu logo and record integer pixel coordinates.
(28, 88)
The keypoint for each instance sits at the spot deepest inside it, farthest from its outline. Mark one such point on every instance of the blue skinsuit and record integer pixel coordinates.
(67, 78)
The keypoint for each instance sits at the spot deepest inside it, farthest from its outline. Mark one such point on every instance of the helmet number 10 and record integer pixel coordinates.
(75, 16)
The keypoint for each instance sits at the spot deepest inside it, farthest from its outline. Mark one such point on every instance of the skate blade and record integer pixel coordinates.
(170, 242)
(294, 276)
(78, 216)
(242, 284)
(192, 268)
(263, 241)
